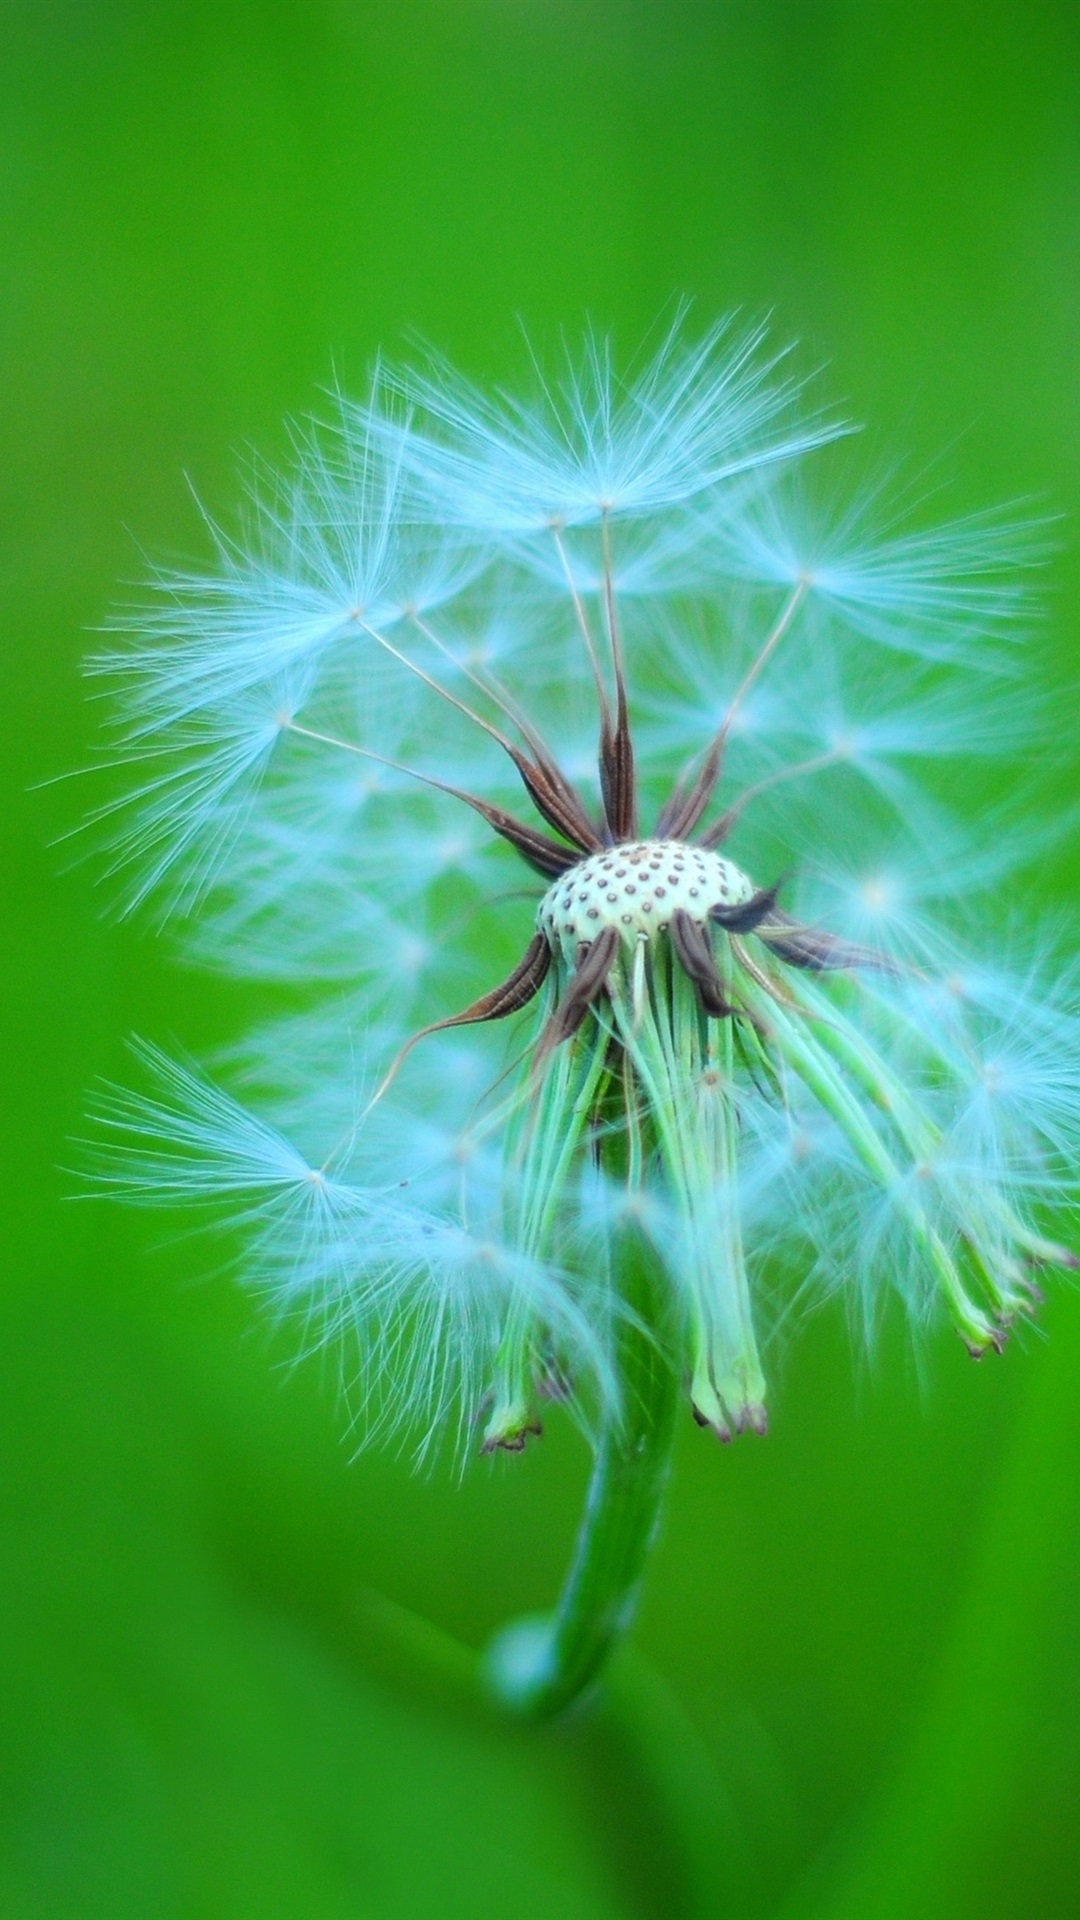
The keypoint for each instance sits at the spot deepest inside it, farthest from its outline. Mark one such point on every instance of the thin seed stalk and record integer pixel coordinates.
(540, 1665)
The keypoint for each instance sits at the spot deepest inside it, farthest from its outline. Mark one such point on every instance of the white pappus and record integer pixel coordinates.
(584, 712)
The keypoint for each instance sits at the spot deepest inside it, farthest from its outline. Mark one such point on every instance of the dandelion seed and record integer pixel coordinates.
(552, 712)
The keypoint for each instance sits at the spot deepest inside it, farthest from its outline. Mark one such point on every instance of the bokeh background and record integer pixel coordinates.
(856, 1691)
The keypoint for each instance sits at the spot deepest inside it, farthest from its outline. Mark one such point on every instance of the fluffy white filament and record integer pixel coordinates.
(447, 572)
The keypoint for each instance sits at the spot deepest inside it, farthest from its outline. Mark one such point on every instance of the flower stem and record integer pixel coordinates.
(539, 1665)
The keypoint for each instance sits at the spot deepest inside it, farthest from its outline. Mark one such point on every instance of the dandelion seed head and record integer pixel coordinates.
(639, 832)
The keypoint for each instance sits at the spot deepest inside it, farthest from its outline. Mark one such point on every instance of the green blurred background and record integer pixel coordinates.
(857, 1692)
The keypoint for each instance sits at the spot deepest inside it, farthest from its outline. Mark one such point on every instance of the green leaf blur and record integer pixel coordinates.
(855, 1689)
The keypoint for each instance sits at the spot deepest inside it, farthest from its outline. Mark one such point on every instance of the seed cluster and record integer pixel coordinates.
(636, 889)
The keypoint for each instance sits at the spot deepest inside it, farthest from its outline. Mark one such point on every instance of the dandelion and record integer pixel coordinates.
(584, 779)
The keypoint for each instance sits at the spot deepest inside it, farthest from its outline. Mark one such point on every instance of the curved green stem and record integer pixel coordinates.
(538, 1666)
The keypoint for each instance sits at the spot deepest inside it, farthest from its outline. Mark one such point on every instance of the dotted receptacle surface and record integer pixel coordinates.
(636, 889)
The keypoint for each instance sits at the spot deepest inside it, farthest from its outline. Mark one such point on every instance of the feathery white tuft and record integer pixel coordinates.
(395, 682)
